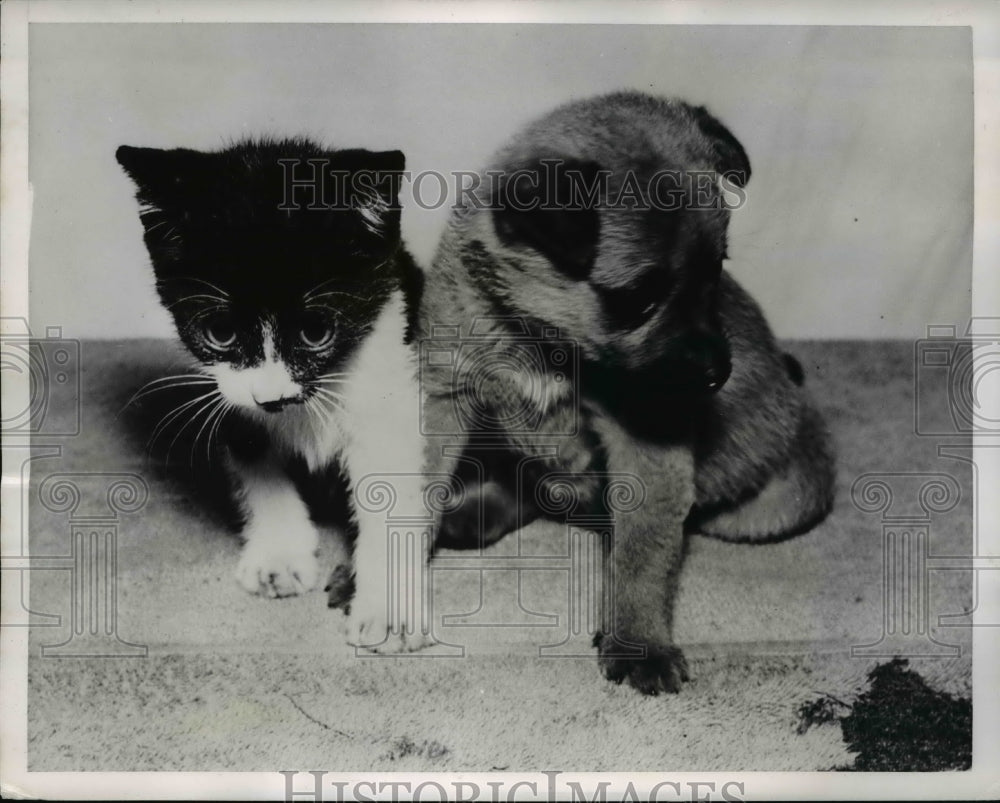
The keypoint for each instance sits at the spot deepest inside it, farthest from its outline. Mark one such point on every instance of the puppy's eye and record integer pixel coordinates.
(636, 316)
(316, 334)
(630, 312)
(219, 333)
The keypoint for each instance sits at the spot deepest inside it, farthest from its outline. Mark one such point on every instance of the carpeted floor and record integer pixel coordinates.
(232, 682)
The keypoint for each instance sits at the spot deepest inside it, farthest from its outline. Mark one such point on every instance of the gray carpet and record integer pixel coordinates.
(232, 682)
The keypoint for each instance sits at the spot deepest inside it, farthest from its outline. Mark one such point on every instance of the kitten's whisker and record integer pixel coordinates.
(310, 293)
(178, 376)
(217, 405)
(199, 280)
(324, 415)
(207, 406)
(170, 417)
(221, 302)
(316, 404)
(211, 406)
(176, 381)
(314, 294)
(337, 293)
(332, 402)
(330, 412)
(327, 381)
(215, 414)
(214, 431)
(343, 378)
(314, 418)
(330, 405)
(323, 283)
(331, 394)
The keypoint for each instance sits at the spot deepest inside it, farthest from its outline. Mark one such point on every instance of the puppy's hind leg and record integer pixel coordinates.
(489, 511)
(793, 500)
(497, 486)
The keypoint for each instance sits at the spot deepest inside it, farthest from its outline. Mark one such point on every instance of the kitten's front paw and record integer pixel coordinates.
(276, 569)
(368, 626)
(663, 669)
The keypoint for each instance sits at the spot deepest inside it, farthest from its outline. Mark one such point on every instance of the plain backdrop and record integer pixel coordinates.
(859, 216)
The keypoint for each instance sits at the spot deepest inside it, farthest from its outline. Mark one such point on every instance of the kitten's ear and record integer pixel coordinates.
(551, 206)
(168, 187)
(730, 158)
(388, 168)
(375, 187)
(393, 162)
(162, 176)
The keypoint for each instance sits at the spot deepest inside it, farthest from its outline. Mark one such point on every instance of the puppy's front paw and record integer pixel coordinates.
(369, 626)
(276, 569)
(663, 669)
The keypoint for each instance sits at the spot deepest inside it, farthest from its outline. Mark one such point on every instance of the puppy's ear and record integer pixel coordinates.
(552, 206)
(730, 158)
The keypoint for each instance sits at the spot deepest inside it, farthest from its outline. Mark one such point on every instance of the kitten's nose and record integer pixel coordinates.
(272, 388)
(276, 405)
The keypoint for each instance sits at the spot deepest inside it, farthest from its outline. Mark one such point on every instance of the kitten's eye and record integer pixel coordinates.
(220, 334)
(316, 334)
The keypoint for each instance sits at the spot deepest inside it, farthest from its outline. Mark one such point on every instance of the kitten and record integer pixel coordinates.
(282, 266)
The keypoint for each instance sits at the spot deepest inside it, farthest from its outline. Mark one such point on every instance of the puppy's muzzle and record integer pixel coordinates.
(699, 363)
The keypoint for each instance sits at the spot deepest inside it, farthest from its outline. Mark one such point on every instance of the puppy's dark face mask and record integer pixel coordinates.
(626, 263)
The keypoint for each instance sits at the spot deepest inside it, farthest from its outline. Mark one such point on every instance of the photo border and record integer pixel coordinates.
(982, 17)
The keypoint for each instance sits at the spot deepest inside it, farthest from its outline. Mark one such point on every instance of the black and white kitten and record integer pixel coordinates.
(282, 266)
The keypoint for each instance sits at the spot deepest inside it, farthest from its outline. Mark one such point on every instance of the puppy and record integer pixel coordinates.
(603, 225)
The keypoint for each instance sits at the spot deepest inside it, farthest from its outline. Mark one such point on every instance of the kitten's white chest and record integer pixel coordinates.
(377, 403)
(318, 438)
